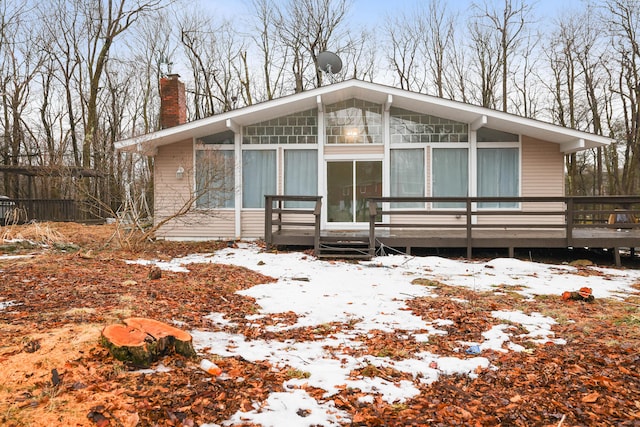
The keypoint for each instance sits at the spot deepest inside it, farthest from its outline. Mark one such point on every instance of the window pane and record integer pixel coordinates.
(258, 177)
(354, 122)
(340, 191)
(407, 176)
(297, 128)
(492, 135)
(450, 174)
(215, 179)
(409, 126)
(300, 176)
(368, 184)
(498, 175)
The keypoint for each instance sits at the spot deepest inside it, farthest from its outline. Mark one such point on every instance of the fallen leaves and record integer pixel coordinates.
(592, 380)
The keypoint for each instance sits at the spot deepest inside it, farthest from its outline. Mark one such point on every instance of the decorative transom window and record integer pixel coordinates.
(296, 128)
(354, 122)
(409, 126)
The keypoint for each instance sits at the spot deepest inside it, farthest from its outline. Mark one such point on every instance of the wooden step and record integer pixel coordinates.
(344, 248)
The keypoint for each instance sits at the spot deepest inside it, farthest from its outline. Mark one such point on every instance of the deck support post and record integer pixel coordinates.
(616, 257)
(511, 252)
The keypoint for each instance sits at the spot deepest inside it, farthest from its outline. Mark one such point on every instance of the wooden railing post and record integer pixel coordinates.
(469, 225)
(569, 218)
(373, 213)
(268, 221)
(316, 239)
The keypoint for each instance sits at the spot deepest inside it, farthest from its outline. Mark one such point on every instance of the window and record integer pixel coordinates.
(407, 176)
(450, 174)
(411, 127)
(498, 175)
(300, 176)
(297, 128)
(354, 122)
(215, 179)
(258, 177)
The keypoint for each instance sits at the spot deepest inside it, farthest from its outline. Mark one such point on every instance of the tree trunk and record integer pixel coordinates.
(142, 341)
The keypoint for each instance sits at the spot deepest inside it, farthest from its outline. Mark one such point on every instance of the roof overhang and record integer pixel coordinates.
(569, 140)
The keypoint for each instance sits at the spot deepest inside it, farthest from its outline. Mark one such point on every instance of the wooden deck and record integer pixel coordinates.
(586, 224)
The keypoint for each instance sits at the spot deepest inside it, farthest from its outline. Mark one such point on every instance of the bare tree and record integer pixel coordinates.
(308, 27)
(509, 22)
(622, 17)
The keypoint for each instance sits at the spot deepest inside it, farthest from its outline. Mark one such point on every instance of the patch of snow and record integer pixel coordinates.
(289, 409)
(372, 296)
(5, 304)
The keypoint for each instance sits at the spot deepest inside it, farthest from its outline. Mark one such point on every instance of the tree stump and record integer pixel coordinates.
(142, 341)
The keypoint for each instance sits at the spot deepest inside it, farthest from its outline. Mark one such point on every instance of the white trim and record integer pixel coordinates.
(354, 156)
(478, 123)
(238, 170)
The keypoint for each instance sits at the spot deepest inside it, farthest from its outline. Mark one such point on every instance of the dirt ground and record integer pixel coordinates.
(60, 284)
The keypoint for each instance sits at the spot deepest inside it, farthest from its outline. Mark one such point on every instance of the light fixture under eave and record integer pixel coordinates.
(180, 172)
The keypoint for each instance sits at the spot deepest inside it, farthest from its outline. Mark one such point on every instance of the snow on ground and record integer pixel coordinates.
(372, 296)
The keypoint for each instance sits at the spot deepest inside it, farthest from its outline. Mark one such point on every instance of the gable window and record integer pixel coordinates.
(450, 175)
(215, 171)
(354, 122)
(498, 175)
(407, 176)
(411, 127)
(300, 176)
(296, 128)
(258, 177)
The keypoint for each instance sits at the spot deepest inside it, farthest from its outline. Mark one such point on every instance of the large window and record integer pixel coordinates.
(296, 128)
(407, 176)
(300, 175)
(354, 122)
(450, 175)
(411, 127)
(258, 177)
(215, 179)
(498, 175)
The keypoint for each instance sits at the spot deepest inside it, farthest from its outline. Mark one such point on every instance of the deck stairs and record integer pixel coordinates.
(342, 247)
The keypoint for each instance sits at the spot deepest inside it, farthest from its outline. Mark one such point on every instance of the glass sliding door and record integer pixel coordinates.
(349, 184)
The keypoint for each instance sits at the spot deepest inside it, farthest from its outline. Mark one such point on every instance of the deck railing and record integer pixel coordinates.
(576, 212)
(292, 216)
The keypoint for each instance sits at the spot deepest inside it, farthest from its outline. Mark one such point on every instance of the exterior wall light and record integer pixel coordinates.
(180, 172)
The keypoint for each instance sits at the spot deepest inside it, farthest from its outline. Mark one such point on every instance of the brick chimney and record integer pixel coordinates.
(173, 104)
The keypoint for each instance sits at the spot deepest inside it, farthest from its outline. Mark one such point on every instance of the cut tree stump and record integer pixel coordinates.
(142, 341)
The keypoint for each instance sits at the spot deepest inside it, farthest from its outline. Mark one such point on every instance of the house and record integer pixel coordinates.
(345, 142)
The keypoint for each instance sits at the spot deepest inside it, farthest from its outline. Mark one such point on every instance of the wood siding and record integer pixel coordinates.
(542, 175)
(331, 150)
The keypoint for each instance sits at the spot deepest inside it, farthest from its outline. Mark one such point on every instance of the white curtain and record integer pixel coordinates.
(300, 176)
(498, 175)
(450, 175)
(407, 176)
(258, 177)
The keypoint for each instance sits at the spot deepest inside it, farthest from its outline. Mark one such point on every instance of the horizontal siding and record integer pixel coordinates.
(353, 149)
(542, 168)
(252, 224)
(200, 225)
(427, 219)
(171, 193)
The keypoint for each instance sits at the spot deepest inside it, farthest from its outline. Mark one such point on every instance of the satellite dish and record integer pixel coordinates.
(329, 62)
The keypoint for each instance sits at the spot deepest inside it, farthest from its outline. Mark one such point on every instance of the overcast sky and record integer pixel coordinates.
(373, 12)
